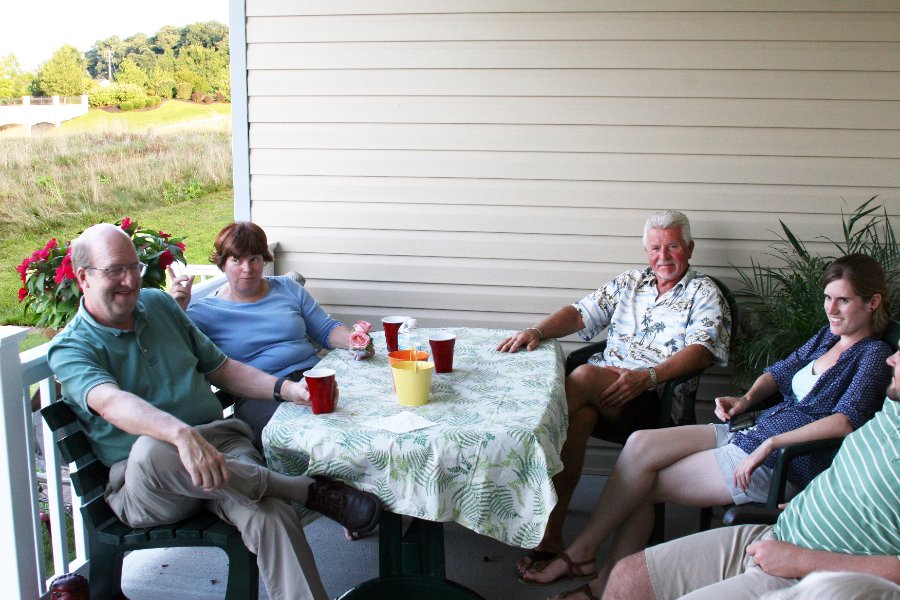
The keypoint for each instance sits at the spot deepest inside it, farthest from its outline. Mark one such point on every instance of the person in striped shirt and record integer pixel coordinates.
(847, 519)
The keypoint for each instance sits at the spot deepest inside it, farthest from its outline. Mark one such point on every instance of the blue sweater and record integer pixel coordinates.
(271, 333)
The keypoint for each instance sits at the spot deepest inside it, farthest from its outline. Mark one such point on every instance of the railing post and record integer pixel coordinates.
(57, 108)
(19, 567)
(26, 113)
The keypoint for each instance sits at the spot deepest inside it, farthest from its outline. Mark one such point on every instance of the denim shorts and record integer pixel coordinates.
(729, 457)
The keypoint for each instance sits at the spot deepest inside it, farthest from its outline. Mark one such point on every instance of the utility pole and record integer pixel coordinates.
(109, 65)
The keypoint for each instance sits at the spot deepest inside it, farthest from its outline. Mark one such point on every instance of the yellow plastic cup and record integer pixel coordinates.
(413, 381)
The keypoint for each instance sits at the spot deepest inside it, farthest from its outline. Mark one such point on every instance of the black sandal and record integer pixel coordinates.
(574, 570)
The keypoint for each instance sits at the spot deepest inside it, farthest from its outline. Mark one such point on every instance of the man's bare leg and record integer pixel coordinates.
(630, 580)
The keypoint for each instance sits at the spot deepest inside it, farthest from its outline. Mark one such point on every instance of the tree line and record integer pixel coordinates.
(189, 62)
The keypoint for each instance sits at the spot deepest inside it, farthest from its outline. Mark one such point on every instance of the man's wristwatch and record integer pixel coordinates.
(276, 393)
(652, 372)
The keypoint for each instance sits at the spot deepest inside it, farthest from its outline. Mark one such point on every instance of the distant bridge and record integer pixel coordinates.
(33, 112)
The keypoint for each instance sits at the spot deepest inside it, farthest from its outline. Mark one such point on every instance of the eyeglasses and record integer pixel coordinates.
(118, 273)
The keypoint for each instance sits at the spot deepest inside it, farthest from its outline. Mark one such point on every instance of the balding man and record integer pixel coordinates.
(137, 373)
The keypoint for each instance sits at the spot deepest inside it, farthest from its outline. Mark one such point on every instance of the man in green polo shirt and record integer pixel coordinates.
(847, 519)
(137, 373)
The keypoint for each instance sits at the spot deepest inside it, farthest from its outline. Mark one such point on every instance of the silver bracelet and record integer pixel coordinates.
(539, 332)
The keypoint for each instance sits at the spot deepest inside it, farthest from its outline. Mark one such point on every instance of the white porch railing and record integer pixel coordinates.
(23, 566)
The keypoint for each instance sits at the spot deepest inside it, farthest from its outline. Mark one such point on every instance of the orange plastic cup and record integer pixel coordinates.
(405, 355)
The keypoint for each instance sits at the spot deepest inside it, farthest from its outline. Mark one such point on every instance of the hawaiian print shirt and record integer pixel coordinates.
(644, 331)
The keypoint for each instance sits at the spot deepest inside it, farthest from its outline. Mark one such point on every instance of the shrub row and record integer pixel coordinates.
(115, 94)
(138, 103)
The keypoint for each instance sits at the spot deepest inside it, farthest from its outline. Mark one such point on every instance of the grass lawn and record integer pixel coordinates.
(108, 165)
(169, 113)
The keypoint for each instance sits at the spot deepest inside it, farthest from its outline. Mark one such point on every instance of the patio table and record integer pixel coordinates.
(499, 422)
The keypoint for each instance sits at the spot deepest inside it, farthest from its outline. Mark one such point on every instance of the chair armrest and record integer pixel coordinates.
(751, 513)
(668, 399)
(783, 460)
(576, 358)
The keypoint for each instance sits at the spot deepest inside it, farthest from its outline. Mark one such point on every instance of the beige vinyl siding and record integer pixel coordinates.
(483, 162)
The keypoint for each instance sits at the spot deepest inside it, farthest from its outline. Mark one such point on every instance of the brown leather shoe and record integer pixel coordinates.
(356, 510)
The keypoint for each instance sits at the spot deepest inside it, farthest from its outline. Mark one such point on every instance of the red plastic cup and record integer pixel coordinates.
(442, 351)
(321, 390)
(391, 328)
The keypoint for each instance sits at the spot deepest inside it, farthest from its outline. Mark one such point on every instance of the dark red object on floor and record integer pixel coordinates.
(70, 586)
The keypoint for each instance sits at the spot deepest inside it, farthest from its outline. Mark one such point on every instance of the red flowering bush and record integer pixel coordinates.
(49, 287)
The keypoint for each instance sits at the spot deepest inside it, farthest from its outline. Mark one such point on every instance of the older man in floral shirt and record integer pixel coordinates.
(662, 322)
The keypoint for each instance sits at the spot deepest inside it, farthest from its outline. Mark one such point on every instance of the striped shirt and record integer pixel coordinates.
(853, 507)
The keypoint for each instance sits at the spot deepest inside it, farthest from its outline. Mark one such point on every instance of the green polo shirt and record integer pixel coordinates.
(164, 360)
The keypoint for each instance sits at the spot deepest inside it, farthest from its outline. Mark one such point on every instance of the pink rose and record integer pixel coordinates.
(363, 326)
(166, 259)
(359, 340)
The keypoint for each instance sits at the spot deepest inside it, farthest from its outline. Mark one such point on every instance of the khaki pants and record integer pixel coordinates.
(712, 565)
(152, 487)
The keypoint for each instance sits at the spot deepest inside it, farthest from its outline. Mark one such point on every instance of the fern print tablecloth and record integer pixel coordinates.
(500, 422)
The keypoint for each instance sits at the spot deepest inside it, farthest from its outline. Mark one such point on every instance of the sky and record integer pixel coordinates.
(33, 29)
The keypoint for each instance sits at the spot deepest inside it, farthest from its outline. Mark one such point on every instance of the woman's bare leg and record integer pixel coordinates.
(630, 488)
(693, 481)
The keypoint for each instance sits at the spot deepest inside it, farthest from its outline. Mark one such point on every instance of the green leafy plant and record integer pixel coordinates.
(49, 287)
(173, 193)
(782, 305)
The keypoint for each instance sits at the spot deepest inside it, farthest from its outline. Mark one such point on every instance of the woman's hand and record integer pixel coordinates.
(728, 406)
(180, 288)
(744, 471)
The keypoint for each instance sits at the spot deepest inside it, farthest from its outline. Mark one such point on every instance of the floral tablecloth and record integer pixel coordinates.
(500, 422)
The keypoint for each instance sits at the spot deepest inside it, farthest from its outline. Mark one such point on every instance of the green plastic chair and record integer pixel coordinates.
(109, 539)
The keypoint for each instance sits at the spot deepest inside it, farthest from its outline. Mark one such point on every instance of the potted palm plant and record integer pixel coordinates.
(781, 306)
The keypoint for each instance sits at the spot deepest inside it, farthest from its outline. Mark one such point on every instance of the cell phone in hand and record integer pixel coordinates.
(742, 421)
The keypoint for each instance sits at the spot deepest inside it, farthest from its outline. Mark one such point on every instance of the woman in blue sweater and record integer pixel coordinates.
(266, 322)
(830, 386)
